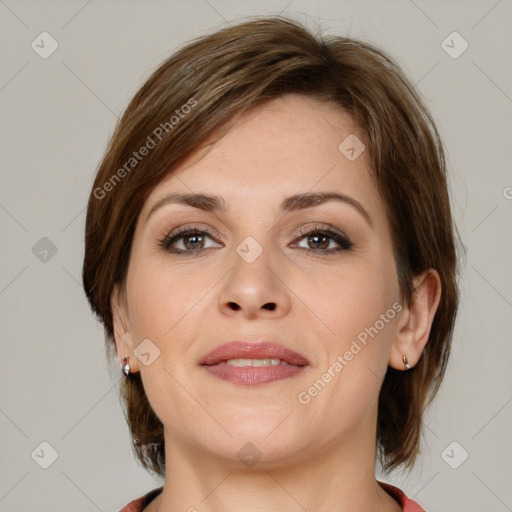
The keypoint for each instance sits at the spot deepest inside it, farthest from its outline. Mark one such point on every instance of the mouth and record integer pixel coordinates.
(251, 364)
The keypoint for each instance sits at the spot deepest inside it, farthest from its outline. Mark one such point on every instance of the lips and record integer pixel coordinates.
(259, 350)
(250, 364)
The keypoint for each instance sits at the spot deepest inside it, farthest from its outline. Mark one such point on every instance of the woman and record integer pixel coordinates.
(269, 245)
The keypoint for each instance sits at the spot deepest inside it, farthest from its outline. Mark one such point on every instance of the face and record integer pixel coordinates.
(316, 278)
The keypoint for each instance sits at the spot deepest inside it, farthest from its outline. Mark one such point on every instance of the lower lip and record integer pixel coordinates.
(252, 375)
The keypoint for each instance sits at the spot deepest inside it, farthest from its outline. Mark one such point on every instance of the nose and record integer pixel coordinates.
(255, 290)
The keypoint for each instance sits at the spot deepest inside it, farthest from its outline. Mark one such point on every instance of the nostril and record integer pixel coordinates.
(270, 305)
(234, 306)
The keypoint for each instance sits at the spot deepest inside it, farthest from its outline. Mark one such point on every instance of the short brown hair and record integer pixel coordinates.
(221, 76)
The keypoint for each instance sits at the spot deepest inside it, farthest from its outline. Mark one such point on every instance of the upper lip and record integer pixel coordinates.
(253, 350)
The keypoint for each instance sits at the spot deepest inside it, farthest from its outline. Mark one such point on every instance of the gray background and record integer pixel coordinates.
(57, 115)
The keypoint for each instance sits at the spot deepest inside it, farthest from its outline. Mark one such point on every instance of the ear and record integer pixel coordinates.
(123, 334)
(416, 321)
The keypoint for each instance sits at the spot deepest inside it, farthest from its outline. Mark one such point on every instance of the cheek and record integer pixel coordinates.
(347, 300)
(162, 299)
(165, 307)
(358, 309)
(148, 308)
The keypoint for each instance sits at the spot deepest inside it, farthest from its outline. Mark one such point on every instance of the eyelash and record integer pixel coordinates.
(341, 239)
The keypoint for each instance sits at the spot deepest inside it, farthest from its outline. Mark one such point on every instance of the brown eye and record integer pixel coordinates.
(318, 241)
(188, 240)
(193, 241)
(324, 241)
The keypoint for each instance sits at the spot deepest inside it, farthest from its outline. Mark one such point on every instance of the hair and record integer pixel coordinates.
(194, 97)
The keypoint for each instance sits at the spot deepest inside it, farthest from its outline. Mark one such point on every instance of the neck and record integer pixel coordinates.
(338, 477)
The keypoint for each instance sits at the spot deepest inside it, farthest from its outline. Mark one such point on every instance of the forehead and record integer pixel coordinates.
(290, 145)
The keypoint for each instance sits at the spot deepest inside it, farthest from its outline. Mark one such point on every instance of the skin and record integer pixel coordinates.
(319, 456)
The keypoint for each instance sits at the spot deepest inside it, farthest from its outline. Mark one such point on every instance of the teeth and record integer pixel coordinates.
(255, 362)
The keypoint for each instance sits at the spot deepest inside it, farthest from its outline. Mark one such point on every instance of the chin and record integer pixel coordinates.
(256, 451)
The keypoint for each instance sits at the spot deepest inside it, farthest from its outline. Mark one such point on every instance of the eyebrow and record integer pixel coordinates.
(211, 203)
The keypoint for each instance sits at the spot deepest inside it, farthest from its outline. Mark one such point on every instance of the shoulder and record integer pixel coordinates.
(134, 506)
(139, 504)
(407, 504)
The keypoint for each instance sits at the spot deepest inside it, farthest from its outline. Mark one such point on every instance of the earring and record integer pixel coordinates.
(406, 362)
(126, 366)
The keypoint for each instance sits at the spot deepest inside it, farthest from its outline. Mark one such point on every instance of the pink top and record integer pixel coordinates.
(407, 505)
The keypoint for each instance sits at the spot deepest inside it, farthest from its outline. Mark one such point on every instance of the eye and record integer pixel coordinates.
(188, 240)
(193, 240)
(323, 241)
